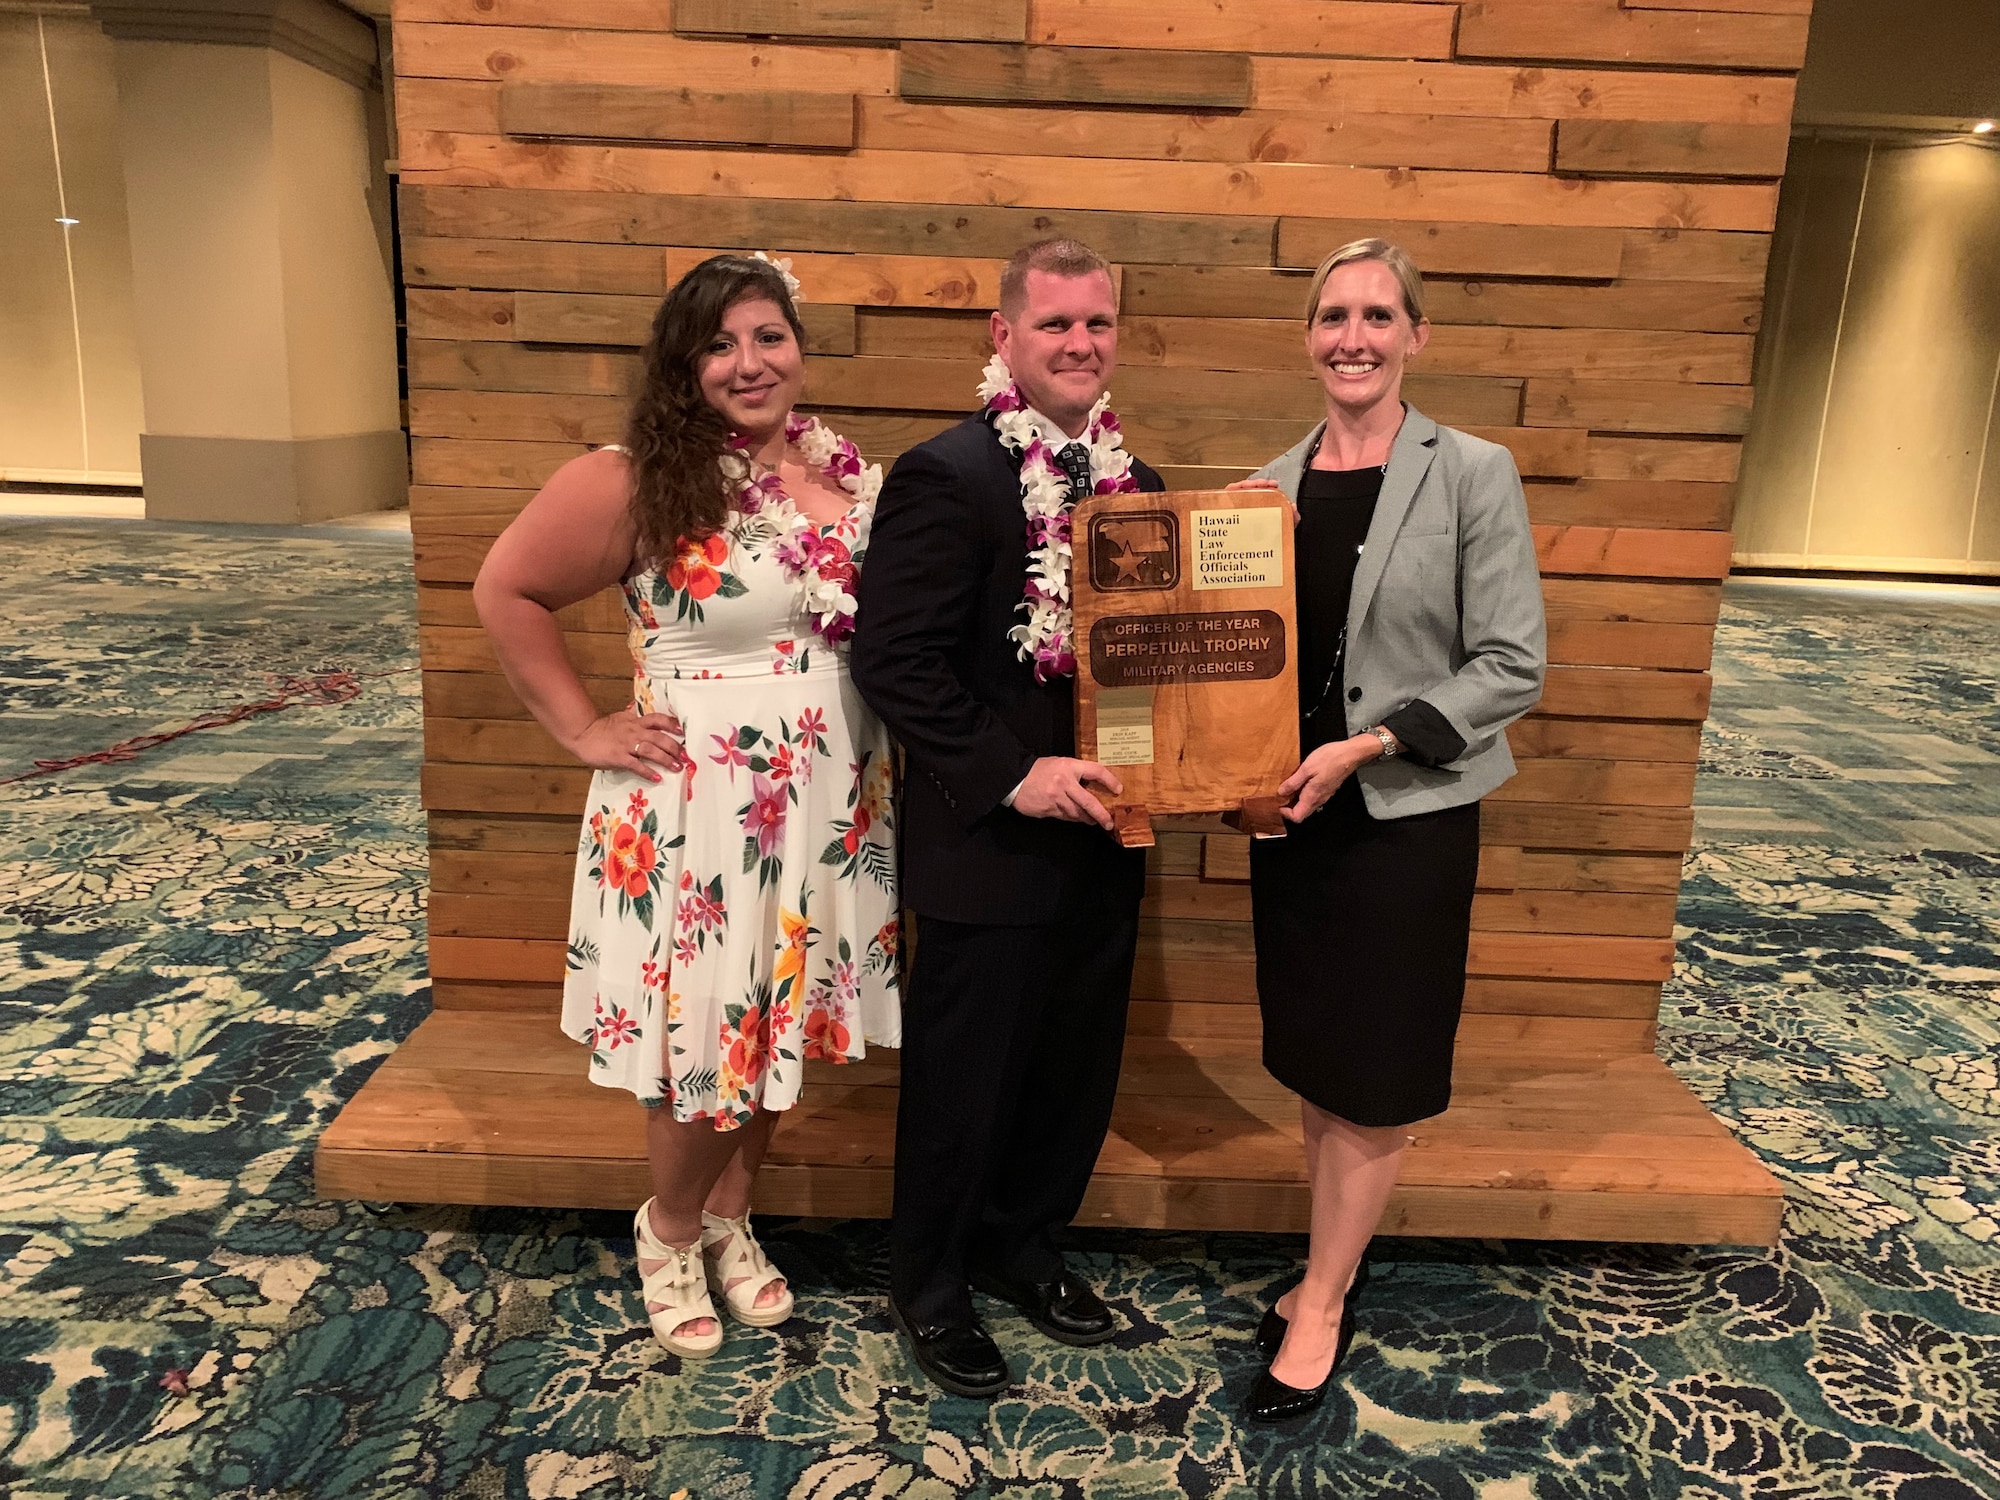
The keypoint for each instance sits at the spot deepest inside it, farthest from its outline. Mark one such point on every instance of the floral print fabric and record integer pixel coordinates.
(729, 924)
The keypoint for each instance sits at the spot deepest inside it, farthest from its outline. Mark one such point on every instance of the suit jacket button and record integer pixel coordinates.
(1354, 695)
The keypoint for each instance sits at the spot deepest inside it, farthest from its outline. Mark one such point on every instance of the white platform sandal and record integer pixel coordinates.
(675, 1290)
(738, 1270)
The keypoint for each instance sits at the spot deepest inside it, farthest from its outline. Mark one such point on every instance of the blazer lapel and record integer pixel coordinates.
(1288, 469)
(1409, 460)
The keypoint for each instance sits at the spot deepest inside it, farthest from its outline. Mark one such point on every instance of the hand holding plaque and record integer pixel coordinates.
(1186, 682)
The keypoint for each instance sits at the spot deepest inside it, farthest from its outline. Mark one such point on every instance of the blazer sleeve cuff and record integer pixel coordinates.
(1427, 736)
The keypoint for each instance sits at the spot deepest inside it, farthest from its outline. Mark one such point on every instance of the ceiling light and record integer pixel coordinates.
(1984, 127)
(69, 221)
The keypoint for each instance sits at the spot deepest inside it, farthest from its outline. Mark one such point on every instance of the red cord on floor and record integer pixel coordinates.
(317, 689)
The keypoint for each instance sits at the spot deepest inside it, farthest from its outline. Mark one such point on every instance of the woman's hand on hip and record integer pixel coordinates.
(650, 744)
(1320, 774)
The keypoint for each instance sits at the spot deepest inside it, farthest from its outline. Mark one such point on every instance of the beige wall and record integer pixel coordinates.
(1873, 442)
(54, 426)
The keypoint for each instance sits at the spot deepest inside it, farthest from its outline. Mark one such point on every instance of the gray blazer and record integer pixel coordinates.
(1447, 607)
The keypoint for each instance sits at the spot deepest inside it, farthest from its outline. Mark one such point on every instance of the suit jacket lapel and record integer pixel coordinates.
(1409, 460)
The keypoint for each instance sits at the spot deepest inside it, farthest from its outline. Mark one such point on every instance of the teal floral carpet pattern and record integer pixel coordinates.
(205, 949)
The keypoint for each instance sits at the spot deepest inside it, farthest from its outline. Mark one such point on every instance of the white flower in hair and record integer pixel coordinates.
(784, 269)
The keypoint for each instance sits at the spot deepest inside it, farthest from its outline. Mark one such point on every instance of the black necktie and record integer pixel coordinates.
(1075, 461)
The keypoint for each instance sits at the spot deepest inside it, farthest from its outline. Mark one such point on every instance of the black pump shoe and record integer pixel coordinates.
(1271, 1331)
(1271, 1400)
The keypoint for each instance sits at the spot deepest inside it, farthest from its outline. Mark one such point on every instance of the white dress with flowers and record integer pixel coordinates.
(729, 924)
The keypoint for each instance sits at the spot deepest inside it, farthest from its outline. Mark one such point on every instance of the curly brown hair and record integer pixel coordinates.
(675, 439)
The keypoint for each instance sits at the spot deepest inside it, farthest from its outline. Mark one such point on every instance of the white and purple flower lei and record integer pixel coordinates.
(820, 561)
(1046, 637)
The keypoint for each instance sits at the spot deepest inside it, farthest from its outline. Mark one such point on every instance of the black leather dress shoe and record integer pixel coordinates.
(958, 1356)
(1271, 1331)
(1064, 1308)
(1271, 1400)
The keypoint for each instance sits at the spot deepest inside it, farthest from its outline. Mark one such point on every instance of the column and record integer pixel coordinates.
(264, 292)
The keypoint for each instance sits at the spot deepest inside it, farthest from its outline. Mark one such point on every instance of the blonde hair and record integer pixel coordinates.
(1395, 257)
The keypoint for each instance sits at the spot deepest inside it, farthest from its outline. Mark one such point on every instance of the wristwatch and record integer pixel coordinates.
(1390, 748)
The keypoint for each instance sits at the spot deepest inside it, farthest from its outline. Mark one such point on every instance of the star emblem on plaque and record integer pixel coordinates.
(1135, 551)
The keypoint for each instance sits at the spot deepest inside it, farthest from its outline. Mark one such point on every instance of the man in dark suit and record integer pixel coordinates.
(1026, 908)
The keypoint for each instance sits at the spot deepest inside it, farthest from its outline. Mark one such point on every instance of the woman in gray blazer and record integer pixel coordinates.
(1420, 641)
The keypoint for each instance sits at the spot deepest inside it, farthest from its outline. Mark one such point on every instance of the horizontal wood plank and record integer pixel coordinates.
(595, 318)
(1282, 188)
(751, 223)
(1755, 7)
(1664, 254)
(1072, 75)
(1633, 553)
(1670, 148)
(1462, 249)
(1638, 406)
(1332, 85)
(533, 265)
(1470, 142)
(1615, 693)
(644, 58)
(1343, 28)
(1648, 309)
(438, 313)
(1606, 31)
(879, 280)
(1695, 306)
(590, 111)
(1613, 456)
(1652, 504)
(1241, 343)
(989, 21)
(603, 15)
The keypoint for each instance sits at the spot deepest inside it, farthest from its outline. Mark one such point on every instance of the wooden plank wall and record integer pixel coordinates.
(1589, 186)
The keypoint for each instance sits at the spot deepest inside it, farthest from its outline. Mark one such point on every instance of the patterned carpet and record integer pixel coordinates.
(203, 951)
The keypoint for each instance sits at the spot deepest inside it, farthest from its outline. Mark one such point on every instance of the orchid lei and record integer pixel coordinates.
(1046, 637)
(821, 562)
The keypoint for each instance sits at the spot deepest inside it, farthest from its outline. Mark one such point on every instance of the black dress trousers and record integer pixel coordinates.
(1011, 1043)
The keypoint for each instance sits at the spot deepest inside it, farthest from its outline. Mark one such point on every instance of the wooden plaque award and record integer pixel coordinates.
(1186, 653)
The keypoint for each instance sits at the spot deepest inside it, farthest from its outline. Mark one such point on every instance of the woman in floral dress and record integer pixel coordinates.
(734, 912)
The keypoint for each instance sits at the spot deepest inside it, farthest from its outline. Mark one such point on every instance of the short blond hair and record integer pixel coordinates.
(1395, 257)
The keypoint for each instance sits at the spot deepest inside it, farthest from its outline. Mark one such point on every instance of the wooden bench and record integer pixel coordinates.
(1561, 1127)
(495, 1108)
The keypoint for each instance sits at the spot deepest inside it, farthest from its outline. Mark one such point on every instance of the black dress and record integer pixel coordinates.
(1361, 923)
